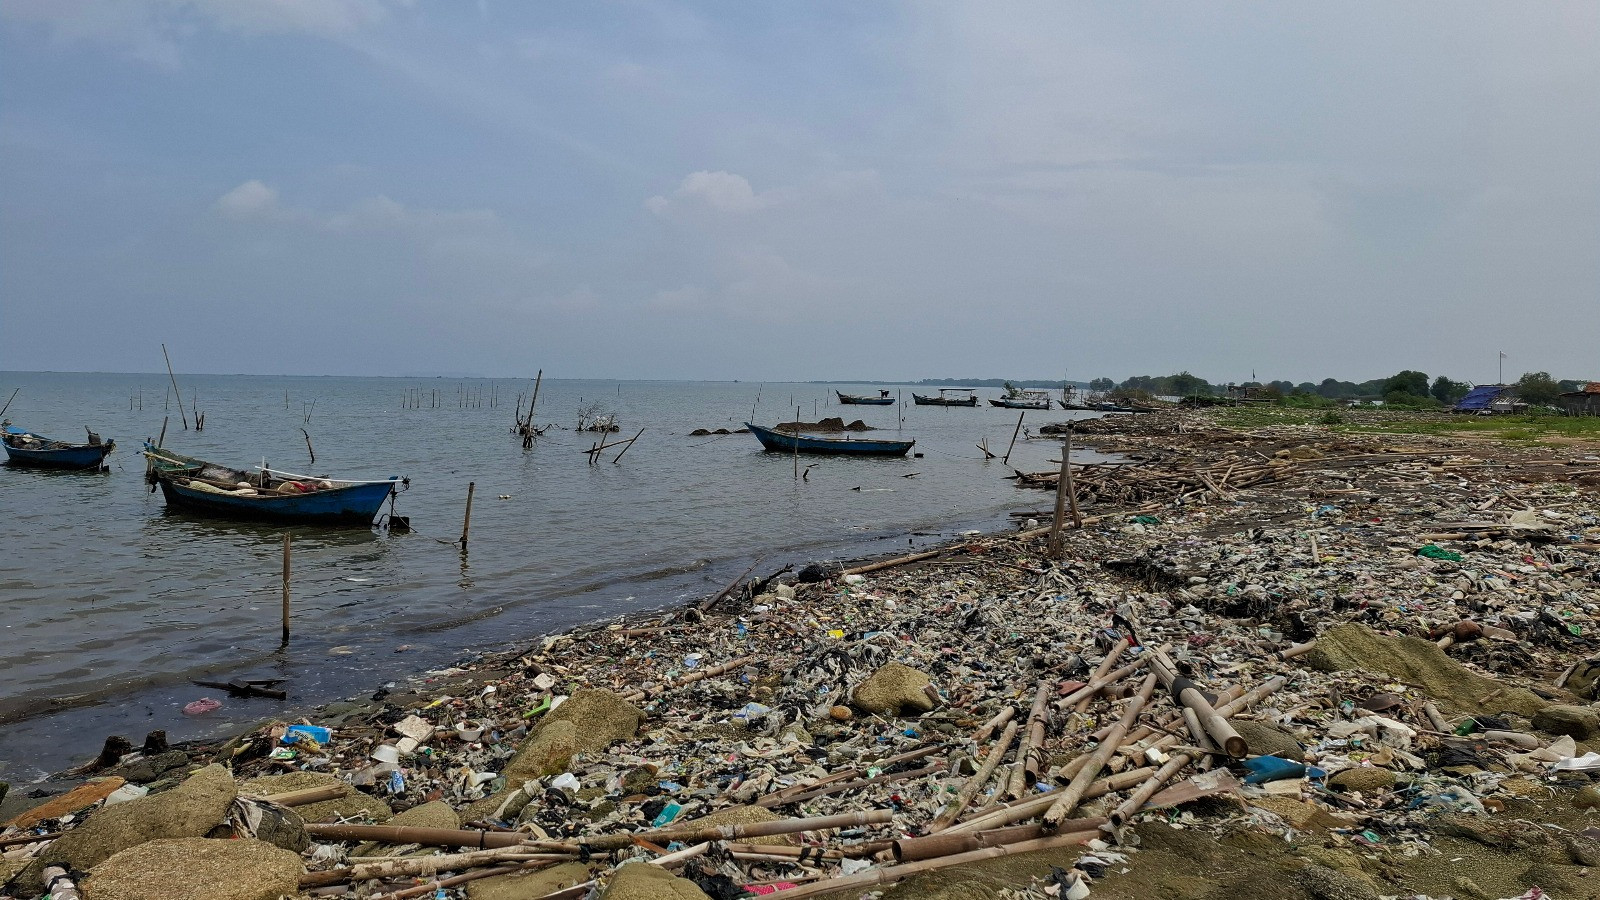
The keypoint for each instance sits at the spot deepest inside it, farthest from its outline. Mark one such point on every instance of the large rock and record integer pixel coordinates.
(1366, 779)
(528, 886)
(187, 811)
(642, 881)
(437, 814)
(1266, 739)
(149, 768)
(1582, 722)
(590, 720)
(353, 804)
(1355, 647)
(196, 869)
(894, 689)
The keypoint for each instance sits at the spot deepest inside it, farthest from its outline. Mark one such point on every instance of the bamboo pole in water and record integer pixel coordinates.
(466, 523)
(1014, 433)
(175, 387)
(286, 568)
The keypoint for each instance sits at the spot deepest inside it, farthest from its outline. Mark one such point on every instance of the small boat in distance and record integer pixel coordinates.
(883, 399)
(1021, 399)
(29, 449)
(788, 442)
(948, 397)
(206, 487)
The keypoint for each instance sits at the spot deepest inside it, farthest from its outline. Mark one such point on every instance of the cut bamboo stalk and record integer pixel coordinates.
(974, 784)
(891, 874)
(1188, 693)
(937, 845)
(1100, 671)
(1000, 718)
(1073, 795)
(1031, 755)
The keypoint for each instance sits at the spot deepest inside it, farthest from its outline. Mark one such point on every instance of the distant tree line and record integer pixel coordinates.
(1405, 388)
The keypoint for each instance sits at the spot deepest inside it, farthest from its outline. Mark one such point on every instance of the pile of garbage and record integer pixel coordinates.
(1387, 666)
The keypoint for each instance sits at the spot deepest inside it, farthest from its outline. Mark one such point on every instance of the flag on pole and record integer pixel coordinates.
(1502, 354)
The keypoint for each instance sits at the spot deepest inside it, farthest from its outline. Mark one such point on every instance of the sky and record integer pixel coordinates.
(797, 191)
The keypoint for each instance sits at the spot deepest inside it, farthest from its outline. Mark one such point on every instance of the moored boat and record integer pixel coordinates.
(787, 442)
(29, 449)
(948, 397)
(1018, 399)
(883, 399)
(207, 487)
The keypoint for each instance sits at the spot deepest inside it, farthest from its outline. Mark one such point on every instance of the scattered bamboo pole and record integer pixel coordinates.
(466, 522)
(701, 675)
(1000, 718)
(1073, 795)
(891, 874)
(784, 795)
(1188, 693)
(1026, 773)
(692, 833)
(1014, 433)
(891, 563)
(974, 784)
(1289, 653)
(1027, 809)
(948, 842)
(307, 795)
(287, 537)
(717, 598)
(1063, 490)
(627, 448)
(432, 837)
(1112, 655)
(175, 387)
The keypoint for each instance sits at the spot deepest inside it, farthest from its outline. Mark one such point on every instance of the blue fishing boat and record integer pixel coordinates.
(802, 443)
(268, 494)
(29, 449)
(883, 399)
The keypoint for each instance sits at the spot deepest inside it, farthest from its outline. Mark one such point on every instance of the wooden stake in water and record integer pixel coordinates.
(175, 390)
(466, 524)
(1007, 457)
(286, 552)
(1064, 493)
(163, 438)
(797, 443)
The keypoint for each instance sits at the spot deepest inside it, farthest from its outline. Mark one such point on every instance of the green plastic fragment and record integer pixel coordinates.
(1433, 551)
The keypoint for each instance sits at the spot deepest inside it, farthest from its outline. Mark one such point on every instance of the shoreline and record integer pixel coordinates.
(1226, 575)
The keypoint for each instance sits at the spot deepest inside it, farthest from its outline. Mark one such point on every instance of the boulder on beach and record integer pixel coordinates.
(894, 689)
(530, 885)
(1581, 722)
(353, 804)
(1355, 647)
(436, 814)
(642, 881)
(197, 869)
(189, 810)
(591, 719)
(1266, 739)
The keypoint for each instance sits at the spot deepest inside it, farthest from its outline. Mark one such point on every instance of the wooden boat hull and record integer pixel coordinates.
(1020, 404)
(853, 400)
(74, 456)
(779, 441)
(353, 505)
(920, 400)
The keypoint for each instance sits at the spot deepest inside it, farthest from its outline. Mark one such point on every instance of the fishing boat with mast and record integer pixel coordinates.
(266, 494)
(1018, 398)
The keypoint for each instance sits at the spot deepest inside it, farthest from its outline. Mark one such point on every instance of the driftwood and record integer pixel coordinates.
(1027, 809)
(974, 784)
(692, 677)
(786, 795)
(1073, 795)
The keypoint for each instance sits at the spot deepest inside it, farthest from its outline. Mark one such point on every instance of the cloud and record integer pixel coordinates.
(250, 200)
(721, 191)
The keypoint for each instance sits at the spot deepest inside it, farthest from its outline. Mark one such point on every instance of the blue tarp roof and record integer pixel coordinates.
(1480, 397)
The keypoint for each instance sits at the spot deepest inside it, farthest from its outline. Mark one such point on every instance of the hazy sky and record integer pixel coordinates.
(800, 190)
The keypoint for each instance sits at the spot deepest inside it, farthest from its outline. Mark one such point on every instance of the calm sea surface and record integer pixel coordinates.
(110, 603)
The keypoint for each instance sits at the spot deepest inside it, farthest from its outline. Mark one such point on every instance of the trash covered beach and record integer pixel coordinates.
(1279, 662)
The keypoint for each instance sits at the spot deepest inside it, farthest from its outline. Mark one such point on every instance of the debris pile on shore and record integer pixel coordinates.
(1381, 659)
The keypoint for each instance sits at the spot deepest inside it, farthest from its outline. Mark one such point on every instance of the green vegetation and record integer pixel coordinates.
(1537, 388)
(1541, 426)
